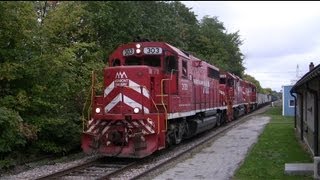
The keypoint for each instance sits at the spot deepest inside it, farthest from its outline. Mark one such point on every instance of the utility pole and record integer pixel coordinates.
(297, 72)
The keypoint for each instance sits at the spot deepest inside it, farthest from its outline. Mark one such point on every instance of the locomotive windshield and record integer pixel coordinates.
(170, 64)
(153, 61)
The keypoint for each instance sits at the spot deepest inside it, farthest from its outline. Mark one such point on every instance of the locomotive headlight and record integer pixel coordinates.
(138, 51)
(136, 110)
(98, 110)
(138, 46)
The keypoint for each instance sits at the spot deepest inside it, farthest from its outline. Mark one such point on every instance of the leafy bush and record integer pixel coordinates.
(57, 135)
(11, 137)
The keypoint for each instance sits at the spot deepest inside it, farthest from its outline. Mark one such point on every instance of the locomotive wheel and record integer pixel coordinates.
(178, 132)
(223, 117)
(170, 137)
(175, 134)
(219, 120)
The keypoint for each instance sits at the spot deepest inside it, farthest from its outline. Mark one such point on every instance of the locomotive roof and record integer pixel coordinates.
(178, 51)
(189, 56)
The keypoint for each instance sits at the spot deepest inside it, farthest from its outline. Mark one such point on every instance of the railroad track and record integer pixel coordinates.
(120, 168)
(149, 168)
(100, 168)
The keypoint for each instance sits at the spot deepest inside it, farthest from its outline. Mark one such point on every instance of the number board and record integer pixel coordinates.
(128, 52)
(152, 50)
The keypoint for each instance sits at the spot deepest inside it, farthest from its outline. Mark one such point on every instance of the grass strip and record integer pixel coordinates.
(276, 146)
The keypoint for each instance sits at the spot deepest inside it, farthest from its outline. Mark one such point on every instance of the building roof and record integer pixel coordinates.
(315, 72)
(288, 85)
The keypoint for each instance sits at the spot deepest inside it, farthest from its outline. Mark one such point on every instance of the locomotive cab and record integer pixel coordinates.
(227, 85)
(252, 96)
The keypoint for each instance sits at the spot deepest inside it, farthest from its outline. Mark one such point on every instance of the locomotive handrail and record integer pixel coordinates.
(158, 132)
(158, 127)
(92, 90)
(162, 95)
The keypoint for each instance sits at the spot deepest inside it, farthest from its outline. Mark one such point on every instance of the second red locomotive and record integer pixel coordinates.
(156, 95)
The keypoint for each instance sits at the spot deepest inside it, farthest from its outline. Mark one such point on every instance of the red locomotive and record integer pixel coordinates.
(156, 95)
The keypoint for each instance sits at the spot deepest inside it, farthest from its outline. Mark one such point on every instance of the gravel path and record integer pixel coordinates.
(221, 158)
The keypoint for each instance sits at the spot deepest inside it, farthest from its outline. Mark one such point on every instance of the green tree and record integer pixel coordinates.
(254, 81)
(119, 22)
(218, 47)
(17, 48)
(267, 90)
(68, 55)
(18, 25)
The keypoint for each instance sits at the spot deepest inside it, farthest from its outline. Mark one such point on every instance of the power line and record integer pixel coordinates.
(270, 72)
(273, 80)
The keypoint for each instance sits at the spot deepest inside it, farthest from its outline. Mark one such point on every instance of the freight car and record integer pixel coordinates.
(263, 99)
(155, 95)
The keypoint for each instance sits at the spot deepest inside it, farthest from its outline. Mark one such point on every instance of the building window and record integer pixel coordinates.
(291, 103)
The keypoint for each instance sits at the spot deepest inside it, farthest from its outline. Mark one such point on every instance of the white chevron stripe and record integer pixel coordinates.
(136, 87)
(105, 130)
(89, 122)
(109, 89)
(146, 110)
(132, 84)
(103, 123)
(151, 122)
(130, 102)
(135, 123)
(147, 126)
(97, 130)
(93, 126)
(113, 103)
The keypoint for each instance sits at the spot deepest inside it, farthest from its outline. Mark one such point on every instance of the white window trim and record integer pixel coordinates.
(289, 102)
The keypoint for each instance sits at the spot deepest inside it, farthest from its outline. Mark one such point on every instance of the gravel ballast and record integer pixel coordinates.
(42, 170)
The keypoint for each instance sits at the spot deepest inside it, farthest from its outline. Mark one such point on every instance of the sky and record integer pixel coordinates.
(279, 37)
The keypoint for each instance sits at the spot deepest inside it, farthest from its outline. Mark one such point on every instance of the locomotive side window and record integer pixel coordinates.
(170, 64)
(230, 82)
(212, 73)
(184, 68)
